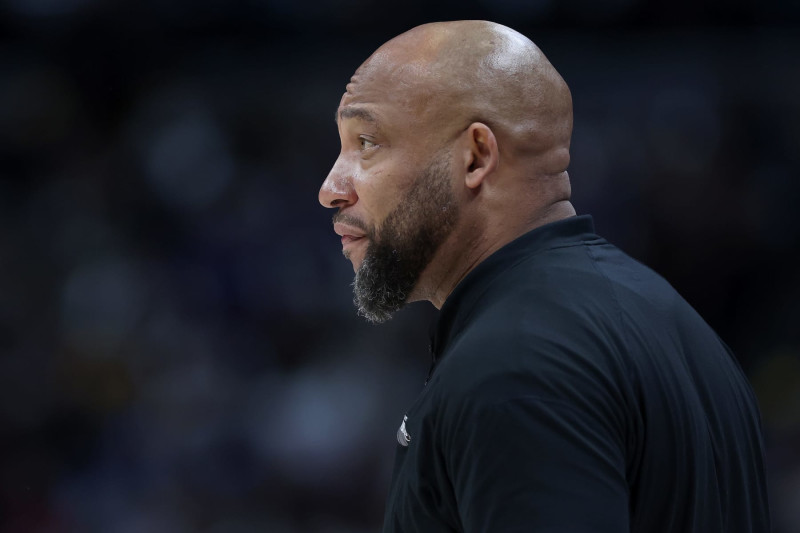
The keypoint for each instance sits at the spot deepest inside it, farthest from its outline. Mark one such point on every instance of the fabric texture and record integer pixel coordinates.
(575, 391)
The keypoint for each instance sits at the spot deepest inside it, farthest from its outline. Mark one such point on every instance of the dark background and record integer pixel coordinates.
(178, 348)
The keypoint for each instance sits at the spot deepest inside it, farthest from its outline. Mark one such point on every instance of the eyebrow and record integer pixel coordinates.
(355, 112)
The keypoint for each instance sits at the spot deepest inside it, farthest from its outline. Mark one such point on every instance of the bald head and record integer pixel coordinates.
(455, 141)
(477, 71)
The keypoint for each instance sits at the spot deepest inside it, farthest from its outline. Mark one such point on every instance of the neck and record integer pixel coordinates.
(461, 253)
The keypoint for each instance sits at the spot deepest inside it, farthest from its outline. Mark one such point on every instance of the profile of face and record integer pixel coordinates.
(395, 200)
(419, 191)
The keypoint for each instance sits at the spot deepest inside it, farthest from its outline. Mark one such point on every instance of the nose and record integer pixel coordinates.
(337, 189)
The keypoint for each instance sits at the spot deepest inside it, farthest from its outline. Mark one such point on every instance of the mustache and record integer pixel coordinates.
(351, 221)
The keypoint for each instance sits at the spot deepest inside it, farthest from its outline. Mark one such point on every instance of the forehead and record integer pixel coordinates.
(384, 87)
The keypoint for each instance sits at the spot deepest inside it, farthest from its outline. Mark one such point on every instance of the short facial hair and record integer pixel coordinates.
(405, 243)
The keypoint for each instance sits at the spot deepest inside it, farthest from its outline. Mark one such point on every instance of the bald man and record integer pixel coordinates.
(572, 390)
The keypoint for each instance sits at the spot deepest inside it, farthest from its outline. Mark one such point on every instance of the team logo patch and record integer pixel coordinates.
(402, 435)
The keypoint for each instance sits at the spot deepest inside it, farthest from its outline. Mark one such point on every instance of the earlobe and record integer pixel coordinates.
(483, 155)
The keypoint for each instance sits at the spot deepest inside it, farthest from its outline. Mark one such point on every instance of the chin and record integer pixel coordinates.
(356, 260)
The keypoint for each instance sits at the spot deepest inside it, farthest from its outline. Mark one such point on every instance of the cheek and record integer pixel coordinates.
(378, 193)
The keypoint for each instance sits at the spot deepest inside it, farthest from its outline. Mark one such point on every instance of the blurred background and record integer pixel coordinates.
(178, 347)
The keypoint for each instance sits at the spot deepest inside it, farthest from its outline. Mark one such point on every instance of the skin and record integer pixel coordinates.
(474, 91)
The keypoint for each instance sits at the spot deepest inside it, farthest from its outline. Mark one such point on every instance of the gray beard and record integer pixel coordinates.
(407, 241)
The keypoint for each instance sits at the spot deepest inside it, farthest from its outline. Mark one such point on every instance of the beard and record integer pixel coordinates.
(405, 243)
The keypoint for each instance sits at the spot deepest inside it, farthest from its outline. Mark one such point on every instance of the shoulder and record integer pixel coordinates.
(536, 359)
(538, 334)
(561, 328)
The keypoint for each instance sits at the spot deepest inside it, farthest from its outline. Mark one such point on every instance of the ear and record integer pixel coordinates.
(481, 154)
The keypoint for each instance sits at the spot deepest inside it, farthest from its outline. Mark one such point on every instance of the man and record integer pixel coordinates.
(573, 390)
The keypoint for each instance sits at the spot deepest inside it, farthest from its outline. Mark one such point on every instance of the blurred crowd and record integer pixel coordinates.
(178, 347)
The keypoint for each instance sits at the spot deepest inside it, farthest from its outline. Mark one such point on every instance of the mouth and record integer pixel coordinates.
(350, 239)
(353, 248)
(354, 240)
(350, 243)
(349, 233)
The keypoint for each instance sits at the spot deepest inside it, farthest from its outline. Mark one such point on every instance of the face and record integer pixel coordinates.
(394, 197)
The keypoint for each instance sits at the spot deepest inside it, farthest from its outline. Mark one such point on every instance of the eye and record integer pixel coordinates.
(366, 144)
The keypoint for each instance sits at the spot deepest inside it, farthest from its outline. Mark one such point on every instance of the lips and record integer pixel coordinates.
(346, 231)
(354, 240)
(347, 239)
